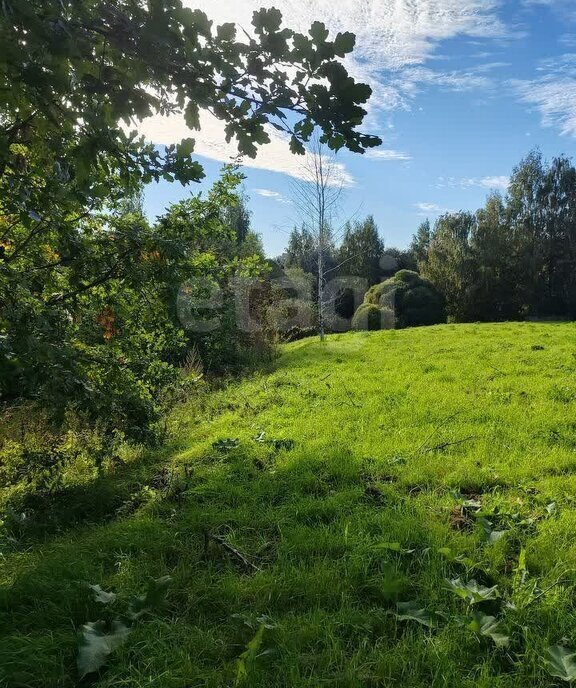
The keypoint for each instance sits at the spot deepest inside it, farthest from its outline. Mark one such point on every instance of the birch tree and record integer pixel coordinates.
(316, 196)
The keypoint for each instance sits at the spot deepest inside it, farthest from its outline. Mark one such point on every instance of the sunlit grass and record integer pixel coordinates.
(342, 446)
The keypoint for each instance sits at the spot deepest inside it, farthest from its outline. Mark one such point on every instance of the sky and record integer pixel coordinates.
(462, 91)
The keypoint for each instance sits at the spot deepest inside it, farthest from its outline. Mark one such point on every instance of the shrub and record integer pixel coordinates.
(407, 276)
(296, 333)
(369, 316)
(414, 301)
(382, 294)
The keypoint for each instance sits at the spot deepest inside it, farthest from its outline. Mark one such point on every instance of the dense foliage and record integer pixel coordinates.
(370, 316)
(96, 302)
(112, 346)
(411, 300)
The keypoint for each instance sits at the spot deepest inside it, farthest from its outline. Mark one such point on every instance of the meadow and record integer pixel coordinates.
(382, 509)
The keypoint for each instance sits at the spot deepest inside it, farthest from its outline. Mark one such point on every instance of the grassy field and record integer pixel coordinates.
(323, 523)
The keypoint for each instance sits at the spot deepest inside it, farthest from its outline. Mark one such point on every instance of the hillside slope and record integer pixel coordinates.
(312, 518)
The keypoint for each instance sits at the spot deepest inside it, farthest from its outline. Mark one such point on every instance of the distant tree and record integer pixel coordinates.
(302, 250)
(361, 250)
(558, 271)
(541, 214)
(238, 217)
(394, 259)
(421, 242)
(516, 256)
(495, 293)
(316, 196)
(525, 221)
(451, 265)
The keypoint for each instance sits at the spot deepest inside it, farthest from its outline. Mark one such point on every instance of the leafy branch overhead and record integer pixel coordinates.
(78, 75)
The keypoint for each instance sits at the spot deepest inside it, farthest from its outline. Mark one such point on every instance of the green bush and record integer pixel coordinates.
(413, 300)
(382, 294)
(372, 317)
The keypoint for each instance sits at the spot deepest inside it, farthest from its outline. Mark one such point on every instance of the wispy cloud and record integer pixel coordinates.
(553, 94)
(567, 40)
(381, 154)
(456, 80)
(555, 100)
(431, 209)
(496, 182)
(274, 195)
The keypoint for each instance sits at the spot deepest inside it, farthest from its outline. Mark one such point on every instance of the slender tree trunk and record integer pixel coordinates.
(321, 287)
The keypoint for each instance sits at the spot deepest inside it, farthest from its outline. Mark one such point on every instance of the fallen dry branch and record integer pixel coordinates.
(232, 550)
(439, 447)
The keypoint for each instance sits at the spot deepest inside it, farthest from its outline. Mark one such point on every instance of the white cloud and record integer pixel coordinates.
(390, 33)
(275, 195)
(431, 209)
(564, 7)
(553, 94)
(490, 182)
(211, 143)
(452, 81)
(555, 99)
(380, 154)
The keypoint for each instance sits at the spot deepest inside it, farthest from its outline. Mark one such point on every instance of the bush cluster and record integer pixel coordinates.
(404, 300)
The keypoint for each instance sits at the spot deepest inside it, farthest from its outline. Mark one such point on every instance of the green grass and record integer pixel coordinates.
(383, 438)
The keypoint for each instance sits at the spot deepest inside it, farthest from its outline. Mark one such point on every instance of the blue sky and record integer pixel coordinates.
(463, 89)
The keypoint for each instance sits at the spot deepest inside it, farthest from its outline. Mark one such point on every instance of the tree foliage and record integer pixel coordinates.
(76, 76)
(90, 290)
(361, 250)
(514, 257)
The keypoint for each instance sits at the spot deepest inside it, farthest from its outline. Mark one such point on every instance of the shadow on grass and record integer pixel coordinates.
(308, 525)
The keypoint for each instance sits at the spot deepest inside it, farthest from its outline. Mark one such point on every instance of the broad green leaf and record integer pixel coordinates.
(186, 147)
(471, 591)
(409, 611)
(561, 663)
(296, 146)
(201, 22)
(226, 32)
(457, 558)
(249, 655)
(319, 32)
(96, 643)
(267, 20)
(101, 595)
(155, 595)
(344, 43)
(491, 536)
(192, 115)
(488, 626)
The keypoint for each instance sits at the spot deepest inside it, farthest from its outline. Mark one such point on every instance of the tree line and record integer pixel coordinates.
(514, 258)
